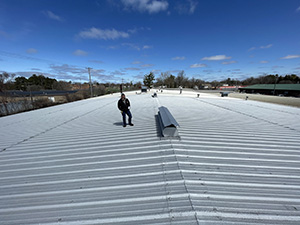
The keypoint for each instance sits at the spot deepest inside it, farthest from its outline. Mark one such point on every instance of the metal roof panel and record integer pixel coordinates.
(237, 162)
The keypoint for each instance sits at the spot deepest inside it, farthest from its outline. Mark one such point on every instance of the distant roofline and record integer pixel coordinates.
(290, 87)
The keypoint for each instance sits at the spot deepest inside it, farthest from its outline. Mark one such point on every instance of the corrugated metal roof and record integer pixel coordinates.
(236, 162)
(288, 87)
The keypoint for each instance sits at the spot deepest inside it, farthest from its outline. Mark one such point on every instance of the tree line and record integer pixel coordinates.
(169, 80)
(40, 82)
(33, 83)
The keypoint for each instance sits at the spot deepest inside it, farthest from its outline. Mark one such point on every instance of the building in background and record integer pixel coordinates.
(273, 89)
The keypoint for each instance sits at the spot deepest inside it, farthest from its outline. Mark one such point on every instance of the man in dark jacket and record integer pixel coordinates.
(124, 105)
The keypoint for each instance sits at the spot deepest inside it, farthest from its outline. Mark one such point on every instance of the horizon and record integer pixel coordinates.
(124, 40)
(141, 82)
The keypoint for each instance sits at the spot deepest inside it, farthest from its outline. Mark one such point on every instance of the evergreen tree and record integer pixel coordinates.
(148, 79)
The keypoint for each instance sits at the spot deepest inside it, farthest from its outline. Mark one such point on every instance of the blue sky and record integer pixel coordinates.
(126, 39)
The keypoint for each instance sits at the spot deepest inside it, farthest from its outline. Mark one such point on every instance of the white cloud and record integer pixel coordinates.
(298, 9)
(147, 47)
(136, 62)
(193, 5)
(133, 46)
(179, 58)
(237, 73)
(275, 67)
(136, 47)
(132, 68)
(139, 77)
(96, 61)
(198, 65)
(99, 74)
(70, 72)
(261, 47)
(31, 51)
(155, 71)
(113, 47)
(117, 72)
(187, 7)
(217, 57)
(107, 34)
(228, 62)
(66, 69)
(267, 46)
(173, 71)
(264, 61)
(150, 6)
(147, 65)
(52, 16)
(80, 53)
(290, 57)
(208, 71)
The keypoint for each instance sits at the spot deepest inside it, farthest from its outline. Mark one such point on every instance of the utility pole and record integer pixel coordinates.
(121, 87)
(276, 77)
(91, 87)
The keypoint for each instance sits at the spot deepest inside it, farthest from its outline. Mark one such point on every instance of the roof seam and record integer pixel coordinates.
(184, 184)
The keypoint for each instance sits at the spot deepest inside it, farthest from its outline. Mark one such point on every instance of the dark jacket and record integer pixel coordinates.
(122, 106)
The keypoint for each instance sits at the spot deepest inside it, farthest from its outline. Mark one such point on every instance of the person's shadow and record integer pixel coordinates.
(118, 124)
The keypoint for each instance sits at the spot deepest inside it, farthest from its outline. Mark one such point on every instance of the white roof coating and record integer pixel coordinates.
(236, 162)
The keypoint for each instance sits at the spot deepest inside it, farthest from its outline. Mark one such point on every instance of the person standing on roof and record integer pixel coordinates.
(124, 106)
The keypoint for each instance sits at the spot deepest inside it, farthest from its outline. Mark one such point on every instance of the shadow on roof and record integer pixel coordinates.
(118, 123)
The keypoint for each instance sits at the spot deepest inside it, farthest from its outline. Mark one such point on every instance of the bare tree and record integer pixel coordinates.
(170, 81)
(181, 79)
(62, 85)
(6, 79)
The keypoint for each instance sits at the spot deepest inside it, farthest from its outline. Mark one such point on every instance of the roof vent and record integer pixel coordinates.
(167, 123)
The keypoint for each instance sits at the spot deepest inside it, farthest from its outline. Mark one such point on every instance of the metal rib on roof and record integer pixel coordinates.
(237, 162)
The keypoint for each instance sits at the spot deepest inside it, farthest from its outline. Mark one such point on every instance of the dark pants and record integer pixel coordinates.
(124, 117)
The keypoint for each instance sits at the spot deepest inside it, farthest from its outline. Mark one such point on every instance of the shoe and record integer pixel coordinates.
(131, 124)
(124, 125)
